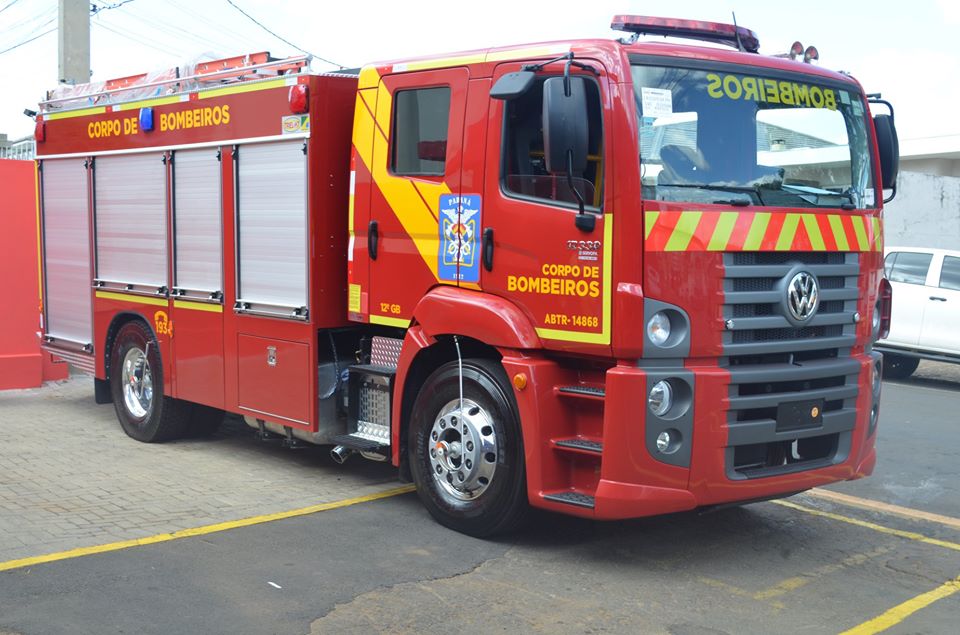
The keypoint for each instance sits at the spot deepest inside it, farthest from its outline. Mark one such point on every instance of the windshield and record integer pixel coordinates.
(720, 137)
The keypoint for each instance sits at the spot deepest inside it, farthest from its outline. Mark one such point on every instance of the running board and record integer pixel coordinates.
(571, 498)
(579, 444)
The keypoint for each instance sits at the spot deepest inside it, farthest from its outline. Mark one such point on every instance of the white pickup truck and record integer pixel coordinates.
(925, 323)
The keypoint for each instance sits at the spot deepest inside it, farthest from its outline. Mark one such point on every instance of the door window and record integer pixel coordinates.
(910, 268)
(419, 134)
(950, 273)
(523, 167)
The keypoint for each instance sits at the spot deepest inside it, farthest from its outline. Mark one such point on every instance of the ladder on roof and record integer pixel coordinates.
(228, 70)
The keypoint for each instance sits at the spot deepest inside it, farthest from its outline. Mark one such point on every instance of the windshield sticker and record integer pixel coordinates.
(857, 109)
(656, 102)
(770, 91)
(844, 97)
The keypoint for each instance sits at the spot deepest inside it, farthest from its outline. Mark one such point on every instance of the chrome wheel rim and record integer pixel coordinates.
(463, 450)
(137, 383)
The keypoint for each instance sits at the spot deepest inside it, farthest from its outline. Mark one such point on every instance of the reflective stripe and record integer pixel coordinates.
(760, 231)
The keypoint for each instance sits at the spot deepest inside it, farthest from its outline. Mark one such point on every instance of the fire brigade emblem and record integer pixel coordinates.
(459, 244)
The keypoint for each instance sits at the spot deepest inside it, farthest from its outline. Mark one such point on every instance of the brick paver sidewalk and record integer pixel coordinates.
(70, 477)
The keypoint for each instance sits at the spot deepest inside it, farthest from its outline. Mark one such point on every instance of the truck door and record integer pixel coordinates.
(415, 165)
(541, 261)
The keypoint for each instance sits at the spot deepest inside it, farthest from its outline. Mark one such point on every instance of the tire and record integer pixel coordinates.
(204, 421)
(484, 447)
(898, 366)
(136, 383)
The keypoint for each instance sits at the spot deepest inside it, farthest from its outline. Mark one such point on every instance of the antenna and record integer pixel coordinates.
(737, 32)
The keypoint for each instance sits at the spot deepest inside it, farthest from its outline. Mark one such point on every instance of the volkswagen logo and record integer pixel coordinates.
(803, 296)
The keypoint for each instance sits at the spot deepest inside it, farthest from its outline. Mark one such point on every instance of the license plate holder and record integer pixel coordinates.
(799, 415)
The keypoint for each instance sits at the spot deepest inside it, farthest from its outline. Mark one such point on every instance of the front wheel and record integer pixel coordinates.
(136, 382)
(899, 366)
(467, 458)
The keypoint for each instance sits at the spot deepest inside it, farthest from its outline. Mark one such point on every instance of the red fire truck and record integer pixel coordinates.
(608, 278)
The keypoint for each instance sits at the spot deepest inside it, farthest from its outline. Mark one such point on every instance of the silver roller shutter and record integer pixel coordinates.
(131, 215)
(197, 221)
(272, 225)
(66, 250)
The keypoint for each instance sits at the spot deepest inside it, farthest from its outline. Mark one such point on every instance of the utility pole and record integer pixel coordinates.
(73, 37)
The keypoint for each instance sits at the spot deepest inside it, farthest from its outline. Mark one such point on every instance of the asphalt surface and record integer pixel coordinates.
(385, 565)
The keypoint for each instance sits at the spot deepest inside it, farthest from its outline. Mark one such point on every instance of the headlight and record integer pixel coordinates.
(658, 328)
(660, 398)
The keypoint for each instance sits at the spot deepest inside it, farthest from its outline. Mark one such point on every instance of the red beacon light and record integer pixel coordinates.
(738, 37)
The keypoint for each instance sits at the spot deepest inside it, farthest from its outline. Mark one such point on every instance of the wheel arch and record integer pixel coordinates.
(118, 321)
(421, 355)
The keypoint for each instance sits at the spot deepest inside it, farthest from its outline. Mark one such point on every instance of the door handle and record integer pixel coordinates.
(938, 298)
(486, 248)
(373, 239)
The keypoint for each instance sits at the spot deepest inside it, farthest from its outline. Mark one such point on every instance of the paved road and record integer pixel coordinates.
(384, 565)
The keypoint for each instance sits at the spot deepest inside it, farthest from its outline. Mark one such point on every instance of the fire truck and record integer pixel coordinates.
(607, 278)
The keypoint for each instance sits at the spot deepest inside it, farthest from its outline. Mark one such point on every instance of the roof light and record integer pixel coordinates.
(796, 50)
(810, 54)
(40, 131)
(735, 36)
(146, 119)
(298, 98)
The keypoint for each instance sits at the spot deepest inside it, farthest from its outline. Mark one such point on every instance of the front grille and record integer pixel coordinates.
(754, 302)
(773, 362)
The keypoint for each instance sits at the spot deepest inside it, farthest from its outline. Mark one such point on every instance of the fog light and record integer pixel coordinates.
(658, 328)
(660, 398)
(664, 441)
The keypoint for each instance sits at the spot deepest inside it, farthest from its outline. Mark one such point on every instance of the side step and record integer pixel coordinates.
(579, 444)
(361, 444)
(585, 392)
(571, 498)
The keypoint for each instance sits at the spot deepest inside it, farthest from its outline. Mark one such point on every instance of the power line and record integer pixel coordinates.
(303, 50)
(10, 4)
(94, 9)
(36, 37)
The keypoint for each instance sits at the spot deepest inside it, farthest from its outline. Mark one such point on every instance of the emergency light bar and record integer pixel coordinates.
(738, 37)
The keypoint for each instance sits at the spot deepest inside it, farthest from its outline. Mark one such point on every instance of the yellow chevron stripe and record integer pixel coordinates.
(788, 232)
(758, 227)
(839, 235)
(860, 229)
(649, 220)
(813, 231)
(683, 232)
(721, 233)
(877, 234)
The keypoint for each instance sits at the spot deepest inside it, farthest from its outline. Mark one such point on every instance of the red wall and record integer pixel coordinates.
(22, 363)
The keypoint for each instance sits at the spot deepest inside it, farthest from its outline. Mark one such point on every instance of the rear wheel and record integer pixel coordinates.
(899, 366)
(467, 461)
(136, 382)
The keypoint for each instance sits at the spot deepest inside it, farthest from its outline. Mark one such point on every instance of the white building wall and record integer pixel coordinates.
(925, 213)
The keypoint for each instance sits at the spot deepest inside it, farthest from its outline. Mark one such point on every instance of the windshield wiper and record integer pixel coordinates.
(815, 193)
(755, 191)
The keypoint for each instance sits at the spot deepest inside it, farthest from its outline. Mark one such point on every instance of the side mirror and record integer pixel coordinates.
(565, 125)
(889, 149)
(512, 85)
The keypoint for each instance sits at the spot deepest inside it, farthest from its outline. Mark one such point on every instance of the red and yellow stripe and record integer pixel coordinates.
(761, 231)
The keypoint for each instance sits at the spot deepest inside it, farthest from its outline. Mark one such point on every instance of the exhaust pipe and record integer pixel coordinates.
(340, 454)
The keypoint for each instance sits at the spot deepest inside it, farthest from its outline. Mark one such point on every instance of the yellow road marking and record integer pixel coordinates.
(910, 535)
(902, 611)
(200, 531)
(884, 508)
(794, 583)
